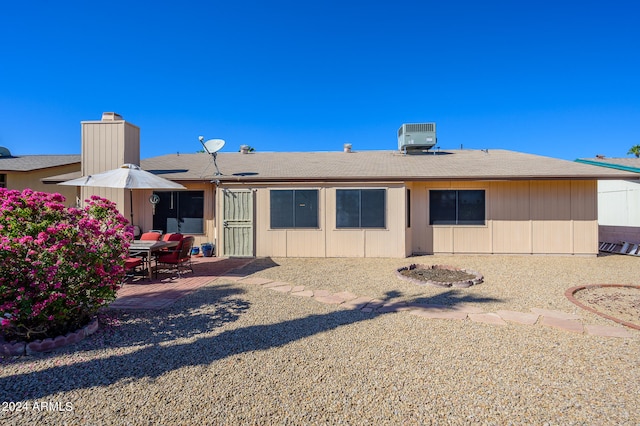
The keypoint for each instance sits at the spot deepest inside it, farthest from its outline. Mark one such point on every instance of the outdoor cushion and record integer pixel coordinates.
(151, 236)
(172, 237)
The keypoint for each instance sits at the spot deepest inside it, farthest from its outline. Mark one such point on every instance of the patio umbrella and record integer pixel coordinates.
(127, 176)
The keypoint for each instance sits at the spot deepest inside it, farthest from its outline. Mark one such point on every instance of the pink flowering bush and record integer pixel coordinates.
(58, 265)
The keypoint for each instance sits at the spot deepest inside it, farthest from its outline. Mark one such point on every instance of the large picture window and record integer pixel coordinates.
(360, 208)
(179, 211)
(452, 207)
(294, 208)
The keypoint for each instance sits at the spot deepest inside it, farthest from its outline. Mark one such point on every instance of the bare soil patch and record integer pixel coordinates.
(621, 302)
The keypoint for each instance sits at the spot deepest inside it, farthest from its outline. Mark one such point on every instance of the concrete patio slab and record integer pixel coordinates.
(519, 317)
(161, 292)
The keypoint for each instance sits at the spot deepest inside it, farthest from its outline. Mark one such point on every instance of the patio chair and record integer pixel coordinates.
(132, 267)
(179, 256)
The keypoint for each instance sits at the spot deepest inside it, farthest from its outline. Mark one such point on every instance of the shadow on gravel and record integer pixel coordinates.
(186, 320)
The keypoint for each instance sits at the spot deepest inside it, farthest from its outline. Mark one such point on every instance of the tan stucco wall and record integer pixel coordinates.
(522, 217)
(327, 240)
(31, 179)
(535, 217)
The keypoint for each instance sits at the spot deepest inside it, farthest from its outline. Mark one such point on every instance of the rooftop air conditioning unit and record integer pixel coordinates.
(416, 136)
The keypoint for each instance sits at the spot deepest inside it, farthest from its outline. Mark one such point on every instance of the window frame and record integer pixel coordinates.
(181, 207)
(360, 209)
(457, 221)
(294, 201)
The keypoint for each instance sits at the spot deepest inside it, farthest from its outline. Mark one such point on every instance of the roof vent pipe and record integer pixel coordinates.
(347, 147)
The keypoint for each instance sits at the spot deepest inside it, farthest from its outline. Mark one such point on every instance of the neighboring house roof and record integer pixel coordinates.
(374, 166)
(28, 163)
(626, 164)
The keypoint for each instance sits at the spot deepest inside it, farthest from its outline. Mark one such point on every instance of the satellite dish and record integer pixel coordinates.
(213, 145)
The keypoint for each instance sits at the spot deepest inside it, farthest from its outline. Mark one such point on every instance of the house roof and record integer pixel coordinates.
(28, 163)
(374, 166)
(626, 164)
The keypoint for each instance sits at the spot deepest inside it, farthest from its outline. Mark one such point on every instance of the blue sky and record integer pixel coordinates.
(556, 78)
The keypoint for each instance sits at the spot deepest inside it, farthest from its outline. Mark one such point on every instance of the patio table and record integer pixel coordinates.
(149, 250)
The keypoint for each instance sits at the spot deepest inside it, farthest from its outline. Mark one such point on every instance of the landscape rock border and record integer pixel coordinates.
(49, 344)
(460, 284)
(573, 290)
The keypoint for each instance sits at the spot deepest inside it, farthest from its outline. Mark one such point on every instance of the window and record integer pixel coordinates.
(294, 208)
(457, 207)
(180, 211)
(360, 208)
(3, 181)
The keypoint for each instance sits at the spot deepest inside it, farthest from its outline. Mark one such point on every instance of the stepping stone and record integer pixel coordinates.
(607, 331)
(321, 293)
(563, 324)
(394, 307)
(519, 317)
(358, 303)
(297, 288)
(489, 318)
(329, 300)
(345, 295)
(555, 314)
(467, 308)
(368, 310)
(375, 304)
(305, 293)
(275, 284)
(255, 281)
(281, 288)
(438, 314)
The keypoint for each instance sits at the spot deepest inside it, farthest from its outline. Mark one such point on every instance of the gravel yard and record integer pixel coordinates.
(235, 353)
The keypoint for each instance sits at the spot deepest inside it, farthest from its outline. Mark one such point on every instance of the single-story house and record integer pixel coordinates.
(358, 203)
(27, 171)
(618, 200)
